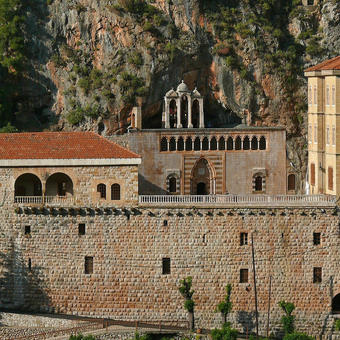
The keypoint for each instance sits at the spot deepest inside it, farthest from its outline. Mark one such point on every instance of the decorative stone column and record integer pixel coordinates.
(167, 114)
(201, 125)
(179, 124)
(190, 126)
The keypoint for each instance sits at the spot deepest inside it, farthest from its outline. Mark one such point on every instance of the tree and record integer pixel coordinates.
(288, 319)
(225, 306)
(187, 293)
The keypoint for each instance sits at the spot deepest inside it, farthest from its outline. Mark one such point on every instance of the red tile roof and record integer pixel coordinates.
(59, 145)
(331, 64)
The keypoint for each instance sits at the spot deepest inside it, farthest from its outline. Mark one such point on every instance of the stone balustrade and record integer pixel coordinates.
(45, 200)
(238, 200)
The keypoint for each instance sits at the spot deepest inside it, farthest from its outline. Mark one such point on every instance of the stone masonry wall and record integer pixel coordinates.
(128, 247)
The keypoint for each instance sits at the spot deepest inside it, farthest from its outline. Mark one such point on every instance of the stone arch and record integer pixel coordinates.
(254, 143)
(197, 144)
(221, 143)
(205, 144)
(195, 113)
(336, 304)
(173, 113)
(238, 143)
(259, 182)
(213, 143)
(188, 144)
(180, 144)
(172, 144)
(164, 144)
(173, 183)
(230, 143)
(203, 178)
(101, 189)
(59, 184)
(263, 143)
(246, 143)
(184, 111)
(28, 185)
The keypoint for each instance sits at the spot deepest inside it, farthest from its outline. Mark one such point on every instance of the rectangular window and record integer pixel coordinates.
(310, 95)
(88, 264)
(310, 137)
(327, 135)
(316, 239)
(243, 275)
(27, 229)
(165, 265)
(333, 95)
(317, 275)
(315, 133)
(327, 95)
(243, 239)
(330, 178)
(315, 95)
(312, 174)
(333, 135)
(81, 229)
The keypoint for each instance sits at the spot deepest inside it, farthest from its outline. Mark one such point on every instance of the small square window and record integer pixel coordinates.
(316, 238)
(165, 223)
(29, 265)
(243, 275)
(317, 275)
(243, 239)
(88, 264)
(166, 265)
(27, 229)
(81, 229)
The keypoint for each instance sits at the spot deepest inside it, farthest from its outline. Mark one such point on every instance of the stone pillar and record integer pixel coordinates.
(167, 114)
(201, 125)
(179, 124)
(190, 126)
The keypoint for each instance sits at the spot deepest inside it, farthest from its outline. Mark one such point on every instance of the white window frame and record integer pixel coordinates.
(327, 95)
(333, 135)
(327, 135)
(315, 95)
(333, 95)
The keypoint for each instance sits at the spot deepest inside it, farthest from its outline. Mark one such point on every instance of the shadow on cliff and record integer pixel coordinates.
(21, 285)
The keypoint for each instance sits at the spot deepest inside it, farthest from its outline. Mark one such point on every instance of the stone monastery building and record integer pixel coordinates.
(88, 227)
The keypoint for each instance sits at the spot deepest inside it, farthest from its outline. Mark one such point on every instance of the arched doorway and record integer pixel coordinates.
(336, 304)
(59, 184)
(28, 185)
(202, 178)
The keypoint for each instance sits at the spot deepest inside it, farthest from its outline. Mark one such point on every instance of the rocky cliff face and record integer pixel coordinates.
(93, 60)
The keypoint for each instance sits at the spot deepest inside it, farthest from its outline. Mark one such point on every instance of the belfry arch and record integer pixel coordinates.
(203, 178)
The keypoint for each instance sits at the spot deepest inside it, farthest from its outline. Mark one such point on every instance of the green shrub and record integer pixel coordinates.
(82, 337)
(225, 306)
(58, 60)
(187, 293)
(9, 128)
(288, 319)
(75, 116)
(297, 336)
(225, 333)
(136, 59)
(189, 305)
(337, 325)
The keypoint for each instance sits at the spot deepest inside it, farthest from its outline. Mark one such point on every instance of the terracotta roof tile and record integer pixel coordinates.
(59, 145)
(331, 64)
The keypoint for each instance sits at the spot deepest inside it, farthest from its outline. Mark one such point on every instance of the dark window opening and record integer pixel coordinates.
(115, 192)
(81, 229)
(27, 229)
(291, 182)
(221, 144)
(166, 265)
(197, 144)
(263, 143)
(316, 238)
(188, 144)
(330, 178)
(205, 144)
(201, 189)
(246, 143)
(238, 143)
(164, 144)
(29, 265)
(180, 144)
(336, 304)
(312, 174)
(243, 275)
(310, 2)
(61, 188)
(258, 183)
(230, 144)
(317, 275)
(165, 223)
(243, 239)
(172, 144)
(213, 144)
(172, 184)
(254, 143)
(88, 264)
(101, 188)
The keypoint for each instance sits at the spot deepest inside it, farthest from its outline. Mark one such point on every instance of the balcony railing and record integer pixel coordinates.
(239, 200)
(45, 200)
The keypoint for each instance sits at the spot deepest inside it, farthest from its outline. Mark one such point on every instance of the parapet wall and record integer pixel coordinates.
(44, 270)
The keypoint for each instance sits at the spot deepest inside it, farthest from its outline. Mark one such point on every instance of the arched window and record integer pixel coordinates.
(28, 185)
(254, 143)
(59, 184)
(164, 144)
(258, 183)
(336, 304)
(213, 143)
(188, 144)
(172, 144)
(291, 182)
(172, 184)
(180, 144)
(230, 143)
(173, 113)
(246, 143)
(101, 188)
(205, 143)
(115, 192)
(195, 113)
(197, 144)
(221, 143)
(238, 143)
(263, 143)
